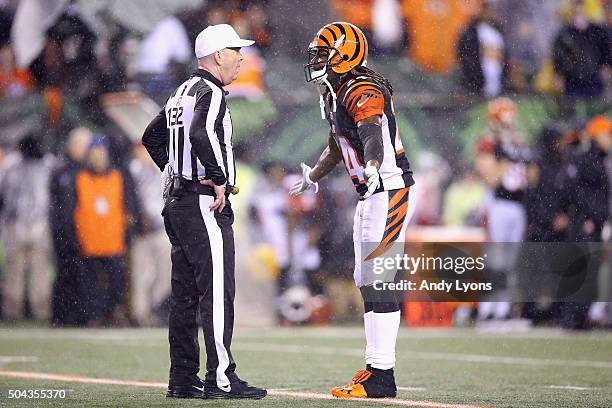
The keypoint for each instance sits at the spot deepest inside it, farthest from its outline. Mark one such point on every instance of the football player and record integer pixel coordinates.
(504, 162)
(357, 103)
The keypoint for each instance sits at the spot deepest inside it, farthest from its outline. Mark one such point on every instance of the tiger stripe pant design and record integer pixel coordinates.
(379, 229)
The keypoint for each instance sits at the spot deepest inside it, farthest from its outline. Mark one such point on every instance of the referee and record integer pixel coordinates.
(190, 140)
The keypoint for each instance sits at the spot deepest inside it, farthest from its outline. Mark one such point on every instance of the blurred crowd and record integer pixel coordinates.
(90, 219)
(497, 46)
(80, 203)
(490, 46)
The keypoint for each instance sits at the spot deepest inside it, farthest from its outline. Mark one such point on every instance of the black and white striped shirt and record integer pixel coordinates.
(194, 132)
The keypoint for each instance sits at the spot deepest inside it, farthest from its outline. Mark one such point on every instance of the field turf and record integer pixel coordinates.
(435, 368)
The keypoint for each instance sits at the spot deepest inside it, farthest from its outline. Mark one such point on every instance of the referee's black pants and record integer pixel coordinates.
(202, 277)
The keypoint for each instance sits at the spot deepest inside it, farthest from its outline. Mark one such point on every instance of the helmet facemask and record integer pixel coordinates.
(319, 59)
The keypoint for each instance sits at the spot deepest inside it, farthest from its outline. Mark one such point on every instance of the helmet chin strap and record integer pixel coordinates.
(324, 82)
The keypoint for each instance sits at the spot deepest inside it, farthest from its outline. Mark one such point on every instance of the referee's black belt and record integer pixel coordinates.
(190, 186)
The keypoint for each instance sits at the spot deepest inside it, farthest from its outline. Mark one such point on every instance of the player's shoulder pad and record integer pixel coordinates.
(362, 97)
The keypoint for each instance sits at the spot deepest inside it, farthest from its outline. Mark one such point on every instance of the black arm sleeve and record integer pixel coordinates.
(371, 137)
(204, 139)
(155, 139)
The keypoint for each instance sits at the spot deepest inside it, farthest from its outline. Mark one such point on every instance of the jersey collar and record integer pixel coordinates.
(201, 72)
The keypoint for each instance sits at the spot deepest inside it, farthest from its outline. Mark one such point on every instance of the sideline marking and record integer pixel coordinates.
(18, 359)
(277, 393)
(413, 389)
(570, 387)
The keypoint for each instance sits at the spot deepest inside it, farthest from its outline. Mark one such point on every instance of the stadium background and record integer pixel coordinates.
(105, 67)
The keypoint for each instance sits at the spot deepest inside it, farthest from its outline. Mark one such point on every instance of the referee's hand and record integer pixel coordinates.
(219, 203)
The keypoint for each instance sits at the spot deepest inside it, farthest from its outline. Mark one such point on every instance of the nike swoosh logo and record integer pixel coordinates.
(361, 102)
(226, 388)
(199, 389)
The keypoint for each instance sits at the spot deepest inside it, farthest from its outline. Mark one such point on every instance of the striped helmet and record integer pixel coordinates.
(340, 46)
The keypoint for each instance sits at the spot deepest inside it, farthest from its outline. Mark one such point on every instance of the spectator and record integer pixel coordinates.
(545, 201)
(260, 27)
(381, 21)
(504, 163)
(580, 52)
(283, 223)
(591, 186)
(117, 59)
(304, 255)
(433, 31)
(431, 173)
(68, 61)
(482, 54)
(529, 41)
(463, 201)
(270, 208)
(14, 82)
(164, 52)
(589, 193)
(67, 65)
(335, 220)
(216, 15)
(151, 266)
(387, 27)
(24, 206)
(102, 217)
(65, 244)
(6, 22)
(358, 12)
(547, 222)
(286, 223)
(250, 82)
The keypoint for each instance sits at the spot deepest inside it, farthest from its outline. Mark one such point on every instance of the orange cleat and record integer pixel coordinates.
(354, 389)
(370, 383)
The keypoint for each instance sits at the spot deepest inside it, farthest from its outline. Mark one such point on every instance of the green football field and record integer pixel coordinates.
(458, 368)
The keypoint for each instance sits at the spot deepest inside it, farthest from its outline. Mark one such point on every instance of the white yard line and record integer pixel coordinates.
(570, 387)
(18, 359)
(412, 389)
(84, 334)
(277, 393)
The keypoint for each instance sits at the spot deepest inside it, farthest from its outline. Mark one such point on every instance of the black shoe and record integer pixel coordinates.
(381, 384)
(237, 389)
(195, 389)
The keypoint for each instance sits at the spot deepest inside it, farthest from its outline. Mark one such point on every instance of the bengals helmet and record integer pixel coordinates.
(340, 46)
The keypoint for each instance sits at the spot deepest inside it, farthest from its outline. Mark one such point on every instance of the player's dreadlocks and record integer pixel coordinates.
(361, 70)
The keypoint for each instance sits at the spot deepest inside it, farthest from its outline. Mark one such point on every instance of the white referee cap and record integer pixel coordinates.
(217, 37)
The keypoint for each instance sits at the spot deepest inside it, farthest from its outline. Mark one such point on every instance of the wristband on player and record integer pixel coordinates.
(307, 171)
